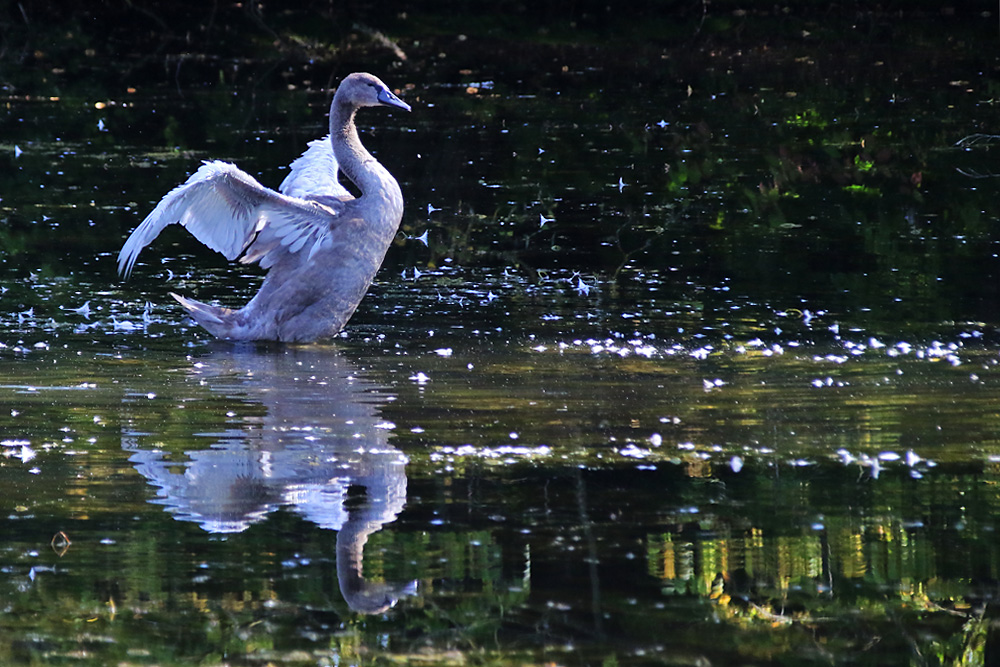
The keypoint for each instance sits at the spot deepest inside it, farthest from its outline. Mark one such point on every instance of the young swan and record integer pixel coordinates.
(321, 245)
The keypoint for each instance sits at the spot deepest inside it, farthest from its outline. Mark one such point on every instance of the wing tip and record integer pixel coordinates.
(129, 253)
(125, 263)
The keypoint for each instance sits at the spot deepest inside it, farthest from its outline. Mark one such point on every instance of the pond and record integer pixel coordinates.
(686, 352)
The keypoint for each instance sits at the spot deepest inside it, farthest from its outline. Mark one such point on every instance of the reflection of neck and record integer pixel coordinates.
(374, 498)
(362, 596)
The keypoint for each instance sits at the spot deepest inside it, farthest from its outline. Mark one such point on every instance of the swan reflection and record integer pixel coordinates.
(318, 446)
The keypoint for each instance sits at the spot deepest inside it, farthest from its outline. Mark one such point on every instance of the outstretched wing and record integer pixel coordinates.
(304, 228)
(226, 209)
(314, 173)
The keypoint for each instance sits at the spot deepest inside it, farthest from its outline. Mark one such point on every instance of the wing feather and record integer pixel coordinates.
(227, 209)
(288, 231)
(298, 243)
(314, 173)
(323, 243)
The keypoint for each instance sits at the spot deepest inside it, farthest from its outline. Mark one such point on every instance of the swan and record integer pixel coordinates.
(321, 246)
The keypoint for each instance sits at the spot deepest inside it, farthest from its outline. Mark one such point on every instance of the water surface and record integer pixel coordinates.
(699, 369)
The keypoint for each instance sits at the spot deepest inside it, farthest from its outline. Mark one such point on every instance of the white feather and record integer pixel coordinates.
(314, 172)
(225, 208)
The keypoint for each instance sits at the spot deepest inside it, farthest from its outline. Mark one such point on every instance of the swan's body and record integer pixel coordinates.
(321, 245)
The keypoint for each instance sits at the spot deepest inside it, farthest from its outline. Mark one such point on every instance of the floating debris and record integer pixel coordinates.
(504, 453)
(124, 325)
(18, 449)
(633, 451)
(83, 310)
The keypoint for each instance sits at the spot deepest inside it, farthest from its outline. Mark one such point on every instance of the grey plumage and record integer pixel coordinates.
(321, 245)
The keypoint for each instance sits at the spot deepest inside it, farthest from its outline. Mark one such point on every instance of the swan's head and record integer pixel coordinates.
(367, 90)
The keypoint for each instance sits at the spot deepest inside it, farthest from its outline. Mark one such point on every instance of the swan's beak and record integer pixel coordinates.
(386, 97)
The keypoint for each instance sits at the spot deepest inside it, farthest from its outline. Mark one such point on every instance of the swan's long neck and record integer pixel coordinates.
(356, 162)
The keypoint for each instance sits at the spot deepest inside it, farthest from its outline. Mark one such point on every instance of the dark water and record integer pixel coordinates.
(697, 365)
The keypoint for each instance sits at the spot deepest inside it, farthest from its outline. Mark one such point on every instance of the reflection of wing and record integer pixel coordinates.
(223, 490)
(225, 208)
(314, 173)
